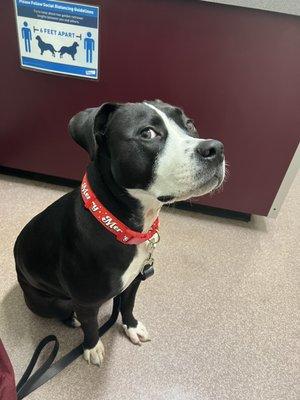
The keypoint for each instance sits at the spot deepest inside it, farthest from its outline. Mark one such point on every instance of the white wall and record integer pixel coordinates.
(283, 6)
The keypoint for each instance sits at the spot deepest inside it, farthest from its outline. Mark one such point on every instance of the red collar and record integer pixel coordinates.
(110, 222)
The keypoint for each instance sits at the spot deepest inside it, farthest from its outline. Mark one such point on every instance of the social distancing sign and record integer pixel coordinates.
(58, 37)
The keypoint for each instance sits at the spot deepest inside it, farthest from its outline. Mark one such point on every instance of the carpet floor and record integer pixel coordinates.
(221, 309)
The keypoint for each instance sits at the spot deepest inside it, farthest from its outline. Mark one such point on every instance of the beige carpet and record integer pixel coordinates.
(221, 310)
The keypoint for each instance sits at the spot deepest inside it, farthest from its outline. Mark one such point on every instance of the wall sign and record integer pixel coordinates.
(58, 37)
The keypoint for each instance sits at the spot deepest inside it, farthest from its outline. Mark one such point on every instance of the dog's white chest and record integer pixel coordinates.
(136, 265)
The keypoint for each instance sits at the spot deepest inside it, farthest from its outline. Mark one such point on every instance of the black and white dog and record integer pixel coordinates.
(143, 155)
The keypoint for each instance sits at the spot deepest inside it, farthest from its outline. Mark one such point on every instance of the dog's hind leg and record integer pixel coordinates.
(44, 304)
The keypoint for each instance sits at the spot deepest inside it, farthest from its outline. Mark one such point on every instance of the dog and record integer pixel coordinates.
(72, 50)
(45, 46)
(143, 155)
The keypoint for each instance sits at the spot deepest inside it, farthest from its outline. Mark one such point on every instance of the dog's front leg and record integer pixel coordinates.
(93, 347)
(133, 328)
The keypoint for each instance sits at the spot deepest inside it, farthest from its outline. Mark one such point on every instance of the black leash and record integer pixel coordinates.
(48, 370)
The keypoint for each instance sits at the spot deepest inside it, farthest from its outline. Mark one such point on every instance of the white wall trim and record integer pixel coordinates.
(286, 184)
(291, 7)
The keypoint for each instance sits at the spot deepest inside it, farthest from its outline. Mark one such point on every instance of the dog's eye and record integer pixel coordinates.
(190, 125)
(148, 134)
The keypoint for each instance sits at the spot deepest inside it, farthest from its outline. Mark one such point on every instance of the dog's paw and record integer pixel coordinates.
(95, 355)
(138, 334)
(76, 323)
(72, 321)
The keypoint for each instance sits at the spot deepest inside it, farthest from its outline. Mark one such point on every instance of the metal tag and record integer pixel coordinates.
(147, 271)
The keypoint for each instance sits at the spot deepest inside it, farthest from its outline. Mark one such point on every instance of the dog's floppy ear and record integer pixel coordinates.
(88, 126)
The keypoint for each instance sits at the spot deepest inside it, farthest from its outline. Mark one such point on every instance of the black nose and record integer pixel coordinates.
(211, 150)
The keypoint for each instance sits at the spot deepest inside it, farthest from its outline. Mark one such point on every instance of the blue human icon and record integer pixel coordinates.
(89, 47)
(26, 35)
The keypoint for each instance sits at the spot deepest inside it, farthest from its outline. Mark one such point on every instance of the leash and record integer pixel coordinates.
(48, 370)
(28, 383)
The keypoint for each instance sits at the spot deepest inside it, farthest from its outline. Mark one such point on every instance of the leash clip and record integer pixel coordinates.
(155, 238)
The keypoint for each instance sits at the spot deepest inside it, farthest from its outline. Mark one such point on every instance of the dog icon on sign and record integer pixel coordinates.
(45, 46)
(71, 50)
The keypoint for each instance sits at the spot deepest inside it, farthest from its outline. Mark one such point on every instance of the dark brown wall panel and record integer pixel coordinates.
(235, 71)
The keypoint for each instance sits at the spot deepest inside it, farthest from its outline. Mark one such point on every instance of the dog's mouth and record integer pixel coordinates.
(211, 185)
(165, 199)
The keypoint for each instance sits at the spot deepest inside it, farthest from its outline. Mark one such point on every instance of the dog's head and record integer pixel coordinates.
(75, 44)
(38, 38)
(151, 147)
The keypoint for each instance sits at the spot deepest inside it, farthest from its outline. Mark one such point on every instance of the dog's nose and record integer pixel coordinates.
(211, 150)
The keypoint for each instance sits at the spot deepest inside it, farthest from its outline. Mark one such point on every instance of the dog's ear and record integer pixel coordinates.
(88, 126)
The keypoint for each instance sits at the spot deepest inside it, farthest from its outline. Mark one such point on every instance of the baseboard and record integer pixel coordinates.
(39, 177)
(219, 212)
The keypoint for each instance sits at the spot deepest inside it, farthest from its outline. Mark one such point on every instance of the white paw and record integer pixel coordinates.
(95, 355)
(138, 334)
(75, 321)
